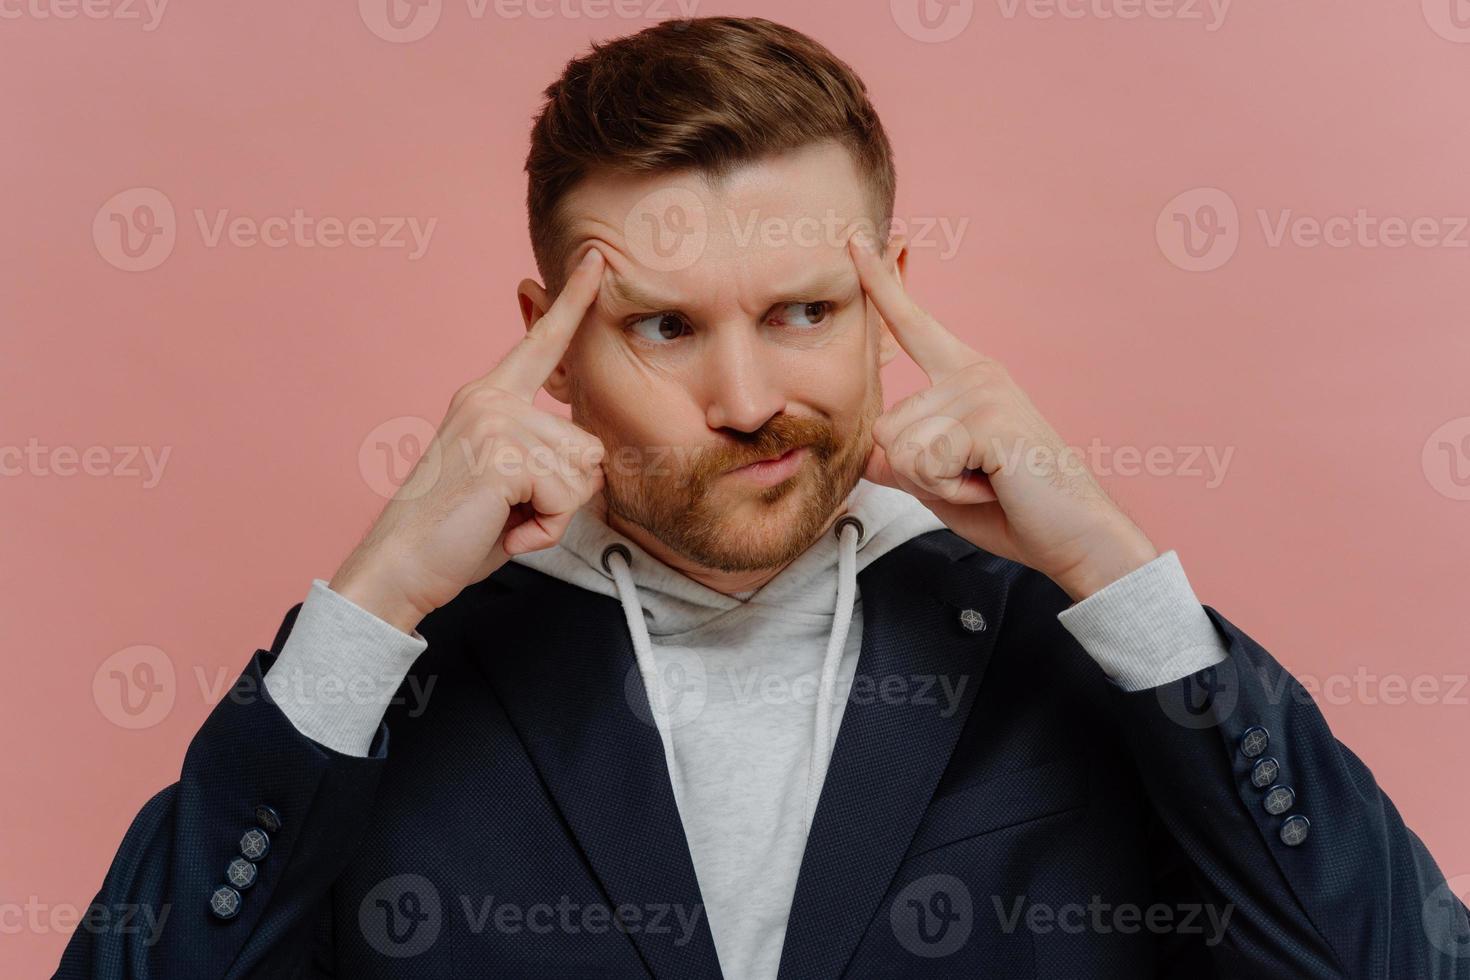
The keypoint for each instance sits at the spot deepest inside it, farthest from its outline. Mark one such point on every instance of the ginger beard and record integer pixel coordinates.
(685, 500)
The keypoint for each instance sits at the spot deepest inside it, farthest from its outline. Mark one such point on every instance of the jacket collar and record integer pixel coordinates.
(567, 677)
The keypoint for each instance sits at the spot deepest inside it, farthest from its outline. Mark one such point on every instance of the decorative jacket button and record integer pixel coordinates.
(241, 873)
(1264, 772)
(255, 844)
(1294, 830)
(268, 818)
(1254, 741)
(1278, 800)
(224, 902)
(972, 620)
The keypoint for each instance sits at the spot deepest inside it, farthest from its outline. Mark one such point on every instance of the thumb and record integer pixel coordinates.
(536, 532)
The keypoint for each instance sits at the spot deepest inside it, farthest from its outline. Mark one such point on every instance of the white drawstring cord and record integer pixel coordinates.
(643, 651)
(841, 622)
(849, 534)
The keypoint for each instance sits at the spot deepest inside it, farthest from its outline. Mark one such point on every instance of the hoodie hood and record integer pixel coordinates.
(673, 603)
(660, 603)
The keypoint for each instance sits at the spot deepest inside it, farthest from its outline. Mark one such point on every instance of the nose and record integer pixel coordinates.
(742, 386)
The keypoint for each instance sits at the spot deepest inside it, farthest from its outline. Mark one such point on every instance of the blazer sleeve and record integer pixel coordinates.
(251, 786)
(1280, 822)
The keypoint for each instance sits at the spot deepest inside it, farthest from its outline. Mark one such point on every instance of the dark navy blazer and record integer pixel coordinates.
(520, 822)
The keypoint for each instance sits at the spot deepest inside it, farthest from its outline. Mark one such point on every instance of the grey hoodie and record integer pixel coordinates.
(735, 683)
(747, 692)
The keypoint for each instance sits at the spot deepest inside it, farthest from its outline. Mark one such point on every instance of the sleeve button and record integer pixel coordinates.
(224, 902)
(1264, 772)
(268, 818)
(1254, 741)
(255, 844)
(241, 873)
(1278, 800)
(1294, 830)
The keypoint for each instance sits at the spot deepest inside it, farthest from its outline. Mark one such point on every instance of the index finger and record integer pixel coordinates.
(530, 362)
(937, 351)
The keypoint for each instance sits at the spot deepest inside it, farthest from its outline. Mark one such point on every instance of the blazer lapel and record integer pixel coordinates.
(931, 610)
(562, 663)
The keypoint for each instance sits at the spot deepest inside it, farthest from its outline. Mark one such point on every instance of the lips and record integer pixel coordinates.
(767, 459)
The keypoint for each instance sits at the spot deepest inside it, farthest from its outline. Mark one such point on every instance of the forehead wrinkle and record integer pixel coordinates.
(628, 293)
(818, 285)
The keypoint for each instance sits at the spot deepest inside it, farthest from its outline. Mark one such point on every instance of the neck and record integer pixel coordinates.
(727, 583)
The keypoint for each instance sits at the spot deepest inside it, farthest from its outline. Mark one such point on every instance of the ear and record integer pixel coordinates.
(895, 256)
(534, 302)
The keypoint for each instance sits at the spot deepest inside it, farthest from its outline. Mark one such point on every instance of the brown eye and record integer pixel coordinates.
(665, 327)
(805, 315)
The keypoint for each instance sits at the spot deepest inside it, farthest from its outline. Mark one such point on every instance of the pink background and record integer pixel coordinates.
(1335, 374)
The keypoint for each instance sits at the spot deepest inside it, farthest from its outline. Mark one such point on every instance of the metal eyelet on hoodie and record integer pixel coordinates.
(627, 556)
(844, 520)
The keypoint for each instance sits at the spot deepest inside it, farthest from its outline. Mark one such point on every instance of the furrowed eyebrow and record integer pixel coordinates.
(821, 285)
(630, 294)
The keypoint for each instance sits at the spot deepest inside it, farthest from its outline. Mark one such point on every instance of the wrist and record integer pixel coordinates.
(373, 594)
(1124, 552)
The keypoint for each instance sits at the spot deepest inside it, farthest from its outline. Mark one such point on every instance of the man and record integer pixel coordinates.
(736, 673)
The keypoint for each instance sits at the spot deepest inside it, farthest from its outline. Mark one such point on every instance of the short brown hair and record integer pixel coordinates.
(705, 93)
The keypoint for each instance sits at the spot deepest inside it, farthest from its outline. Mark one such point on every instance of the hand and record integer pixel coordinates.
(974, 450)
(500, 478)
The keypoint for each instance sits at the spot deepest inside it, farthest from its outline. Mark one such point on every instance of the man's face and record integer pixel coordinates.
(730, 328)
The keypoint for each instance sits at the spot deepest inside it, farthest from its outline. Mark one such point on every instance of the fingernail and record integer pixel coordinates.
(865, 242)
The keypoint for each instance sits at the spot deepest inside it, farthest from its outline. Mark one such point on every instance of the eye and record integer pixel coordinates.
(656, 328)
(813, 314)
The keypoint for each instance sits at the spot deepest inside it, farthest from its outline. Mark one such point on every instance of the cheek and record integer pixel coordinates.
(631, 402)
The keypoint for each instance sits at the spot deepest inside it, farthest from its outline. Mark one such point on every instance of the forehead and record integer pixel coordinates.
(783, 219)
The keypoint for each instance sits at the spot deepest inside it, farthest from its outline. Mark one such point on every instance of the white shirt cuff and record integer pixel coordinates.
(338, 670)
(1146, 628)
